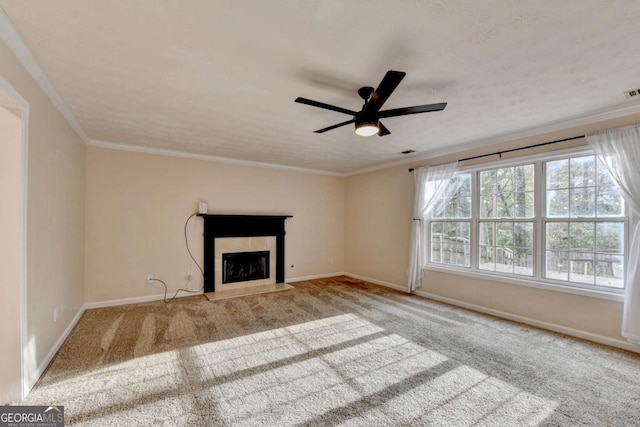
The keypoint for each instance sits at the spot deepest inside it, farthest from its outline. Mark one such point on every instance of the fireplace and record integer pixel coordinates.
(244, 239)
(245, 266)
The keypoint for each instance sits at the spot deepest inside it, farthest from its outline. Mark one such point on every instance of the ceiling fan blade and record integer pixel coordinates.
(325, 106)
(335, 126)
(382, 130)
(412, 110)
(388, 84)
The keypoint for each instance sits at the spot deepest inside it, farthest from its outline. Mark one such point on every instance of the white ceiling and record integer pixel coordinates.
(219, 78)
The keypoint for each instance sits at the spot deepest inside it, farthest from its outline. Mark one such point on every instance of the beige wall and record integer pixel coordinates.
(11, 223)
(378, 222)
(378, 219)
(55, 219)
(136, 205)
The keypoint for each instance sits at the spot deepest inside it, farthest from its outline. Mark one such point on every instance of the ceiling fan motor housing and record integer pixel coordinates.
(365, 118)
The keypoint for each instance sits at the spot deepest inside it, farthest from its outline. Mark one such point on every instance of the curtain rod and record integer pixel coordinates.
(500, 153)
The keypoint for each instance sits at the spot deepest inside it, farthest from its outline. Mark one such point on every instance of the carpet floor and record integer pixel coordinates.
(335, 351)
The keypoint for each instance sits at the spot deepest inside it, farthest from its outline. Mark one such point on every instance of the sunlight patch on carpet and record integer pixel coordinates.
(340, 369)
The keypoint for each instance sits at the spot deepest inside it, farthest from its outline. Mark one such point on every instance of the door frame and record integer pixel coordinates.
(20, 101)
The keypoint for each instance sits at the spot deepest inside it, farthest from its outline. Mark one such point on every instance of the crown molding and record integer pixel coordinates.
(16, 44)
(619, 111)
(206, 157)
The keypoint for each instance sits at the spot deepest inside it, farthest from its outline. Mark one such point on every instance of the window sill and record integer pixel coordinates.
(612, 295)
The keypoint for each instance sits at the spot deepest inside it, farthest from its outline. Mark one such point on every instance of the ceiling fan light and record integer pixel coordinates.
(367, 128)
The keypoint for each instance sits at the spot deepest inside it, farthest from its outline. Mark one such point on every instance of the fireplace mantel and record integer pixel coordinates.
(224, 225)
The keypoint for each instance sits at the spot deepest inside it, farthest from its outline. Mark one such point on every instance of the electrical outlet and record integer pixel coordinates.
(55, 314)
(150, 278)
(190, 275)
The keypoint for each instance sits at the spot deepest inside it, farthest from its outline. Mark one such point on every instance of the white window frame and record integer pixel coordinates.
(539, 221)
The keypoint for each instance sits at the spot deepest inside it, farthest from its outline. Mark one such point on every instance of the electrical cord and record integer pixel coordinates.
(186, 242)
(174, 295)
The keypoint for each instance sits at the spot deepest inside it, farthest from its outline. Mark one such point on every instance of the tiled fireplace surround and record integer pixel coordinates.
(244, 244)
(242, 233)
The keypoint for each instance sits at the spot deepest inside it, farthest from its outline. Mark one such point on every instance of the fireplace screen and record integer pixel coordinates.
(245, 266)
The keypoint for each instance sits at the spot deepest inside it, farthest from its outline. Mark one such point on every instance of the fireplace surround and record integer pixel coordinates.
(221, 226)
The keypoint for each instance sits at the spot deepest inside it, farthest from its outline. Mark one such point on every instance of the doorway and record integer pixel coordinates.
(13, 221)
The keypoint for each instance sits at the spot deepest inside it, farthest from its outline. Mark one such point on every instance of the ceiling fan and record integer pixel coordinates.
(367, 120)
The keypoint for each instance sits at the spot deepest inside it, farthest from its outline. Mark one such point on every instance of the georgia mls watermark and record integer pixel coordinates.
(31, 416)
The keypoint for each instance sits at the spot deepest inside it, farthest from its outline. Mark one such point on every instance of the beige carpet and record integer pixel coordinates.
(331, 352)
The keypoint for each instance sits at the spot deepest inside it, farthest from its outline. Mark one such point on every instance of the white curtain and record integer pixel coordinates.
(430, 181)
(619, 151)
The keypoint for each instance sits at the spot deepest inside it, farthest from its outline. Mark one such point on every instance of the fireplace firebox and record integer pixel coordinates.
(245, 266)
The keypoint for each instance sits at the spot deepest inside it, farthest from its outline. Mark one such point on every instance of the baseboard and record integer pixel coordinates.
(35, 376)
(136, 300)
(600, 339)
(635, 339)
(160, 297)
(378, 282)
(316, 276)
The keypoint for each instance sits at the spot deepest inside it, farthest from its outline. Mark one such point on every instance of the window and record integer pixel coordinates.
(555, 220)
(451, 225)
(584, 223)
(506, 219)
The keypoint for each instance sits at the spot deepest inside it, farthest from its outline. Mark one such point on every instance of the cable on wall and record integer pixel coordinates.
(186, 242)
